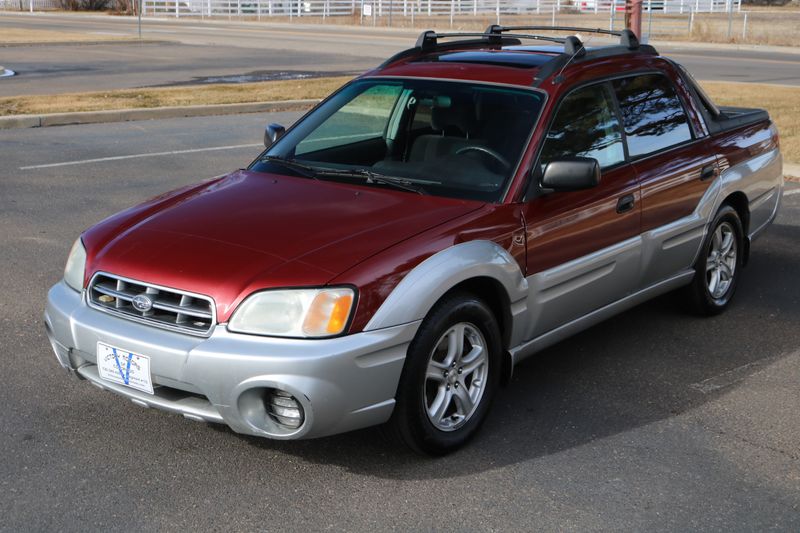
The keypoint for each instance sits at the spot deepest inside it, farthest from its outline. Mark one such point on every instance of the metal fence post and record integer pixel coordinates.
(611, 17)
(31, 3)
(730, 19)
(497, 11)
(452, 12)
(649, 18)
(744, 26)
(554, 16)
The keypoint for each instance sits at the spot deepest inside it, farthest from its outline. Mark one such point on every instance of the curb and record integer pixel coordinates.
(126, 115)
(85, 43)
(791, 172)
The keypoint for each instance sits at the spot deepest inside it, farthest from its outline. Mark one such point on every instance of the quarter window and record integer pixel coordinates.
(652, 114)
(586, 126)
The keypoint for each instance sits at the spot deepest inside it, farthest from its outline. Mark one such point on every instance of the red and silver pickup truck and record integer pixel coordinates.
(390, 257)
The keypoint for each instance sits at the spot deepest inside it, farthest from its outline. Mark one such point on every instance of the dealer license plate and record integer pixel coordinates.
(124, 367)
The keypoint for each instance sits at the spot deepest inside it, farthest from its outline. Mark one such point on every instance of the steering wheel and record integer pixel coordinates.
(488, 151)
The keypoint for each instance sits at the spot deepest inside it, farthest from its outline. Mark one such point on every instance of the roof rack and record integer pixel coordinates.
(496, 35)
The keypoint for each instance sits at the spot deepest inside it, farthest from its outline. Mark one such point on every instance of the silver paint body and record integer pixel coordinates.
(350, 382)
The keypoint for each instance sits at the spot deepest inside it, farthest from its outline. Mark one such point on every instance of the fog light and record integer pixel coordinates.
(284, 409)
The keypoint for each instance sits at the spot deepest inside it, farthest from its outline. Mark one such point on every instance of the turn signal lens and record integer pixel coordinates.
(328, 313)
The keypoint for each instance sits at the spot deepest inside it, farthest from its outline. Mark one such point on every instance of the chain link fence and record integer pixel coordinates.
(29, 5)
(700, 20)
(385, 12)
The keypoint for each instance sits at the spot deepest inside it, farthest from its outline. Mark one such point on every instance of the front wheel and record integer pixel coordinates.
(719, 265)
(451, 374)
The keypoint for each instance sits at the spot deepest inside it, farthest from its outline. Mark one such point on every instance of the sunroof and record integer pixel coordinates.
(506, 58)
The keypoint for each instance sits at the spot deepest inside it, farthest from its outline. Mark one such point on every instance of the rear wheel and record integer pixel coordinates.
(450, 378)
(718, 267)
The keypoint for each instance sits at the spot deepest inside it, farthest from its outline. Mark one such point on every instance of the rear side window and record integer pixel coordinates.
(652, 114)
(586, 125)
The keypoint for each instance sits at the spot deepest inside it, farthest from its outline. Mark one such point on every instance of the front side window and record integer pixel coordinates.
(585, 125)
(652, 114)
(447, 138)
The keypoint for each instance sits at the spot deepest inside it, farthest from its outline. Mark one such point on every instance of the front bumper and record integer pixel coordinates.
(343, 383)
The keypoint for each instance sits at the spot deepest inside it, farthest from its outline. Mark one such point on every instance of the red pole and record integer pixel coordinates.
(633, 16)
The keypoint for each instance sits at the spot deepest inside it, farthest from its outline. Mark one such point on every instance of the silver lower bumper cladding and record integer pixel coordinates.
(337, 385)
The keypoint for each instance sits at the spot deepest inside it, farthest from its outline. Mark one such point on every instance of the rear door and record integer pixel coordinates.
(582, 246)
(674, 167)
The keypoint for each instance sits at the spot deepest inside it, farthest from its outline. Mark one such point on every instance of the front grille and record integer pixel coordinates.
(161, 306)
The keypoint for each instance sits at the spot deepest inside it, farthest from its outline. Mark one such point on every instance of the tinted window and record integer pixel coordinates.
(586, 126)
(447, 138)
(652, 114)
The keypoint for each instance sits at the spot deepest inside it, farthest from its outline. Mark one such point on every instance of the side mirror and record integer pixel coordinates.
(271, 134)
(572, 174)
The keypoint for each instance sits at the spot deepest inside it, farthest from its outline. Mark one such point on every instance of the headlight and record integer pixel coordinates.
(76, 262)
(295, 312)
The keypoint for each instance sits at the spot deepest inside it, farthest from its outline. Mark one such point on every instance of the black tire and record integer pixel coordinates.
(410, 422)
(700, 296)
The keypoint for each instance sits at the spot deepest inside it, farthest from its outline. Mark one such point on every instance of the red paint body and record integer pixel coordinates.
(249, 231)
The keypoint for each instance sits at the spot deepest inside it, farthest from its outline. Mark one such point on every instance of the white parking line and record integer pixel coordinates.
(790, 192)
(134, 156)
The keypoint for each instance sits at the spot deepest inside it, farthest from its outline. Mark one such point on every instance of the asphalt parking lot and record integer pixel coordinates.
(653, 420)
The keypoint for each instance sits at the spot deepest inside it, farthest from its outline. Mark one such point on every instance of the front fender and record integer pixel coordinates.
(421, 288)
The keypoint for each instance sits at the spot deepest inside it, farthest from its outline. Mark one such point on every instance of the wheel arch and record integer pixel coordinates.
(493, 294)
(739, 202)
(482, 268)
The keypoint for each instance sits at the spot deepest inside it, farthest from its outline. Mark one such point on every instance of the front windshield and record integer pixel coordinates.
(445, 138)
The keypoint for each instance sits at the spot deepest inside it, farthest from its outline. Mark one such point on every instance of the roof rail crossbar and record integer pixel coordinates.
(429, 40)
(627, 37)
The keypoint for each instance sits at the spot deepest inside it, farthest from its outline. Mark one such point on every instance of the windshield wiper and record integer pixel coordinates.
(369, 176)
(304, 170)
(374, 177)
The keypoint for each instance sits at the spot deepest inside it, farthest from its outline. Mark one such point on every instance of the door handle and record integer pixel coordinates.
(708, 172)
(625, 203)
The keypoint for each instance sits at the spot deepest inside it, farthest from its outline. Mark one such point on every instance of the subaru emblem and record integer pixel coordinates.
(142, 303)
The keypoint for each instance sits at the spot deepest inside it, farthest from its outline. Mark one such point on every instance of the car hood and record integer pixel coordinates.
(248, 231)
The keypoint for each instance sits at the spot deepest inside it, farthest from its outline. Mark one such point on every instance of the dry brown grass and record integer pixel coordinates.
(22, 35)
(268, 91)
(783, 104)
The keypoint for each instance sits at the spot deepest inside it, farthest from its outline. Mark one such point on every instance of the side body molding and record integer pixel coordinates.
(414, 296)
